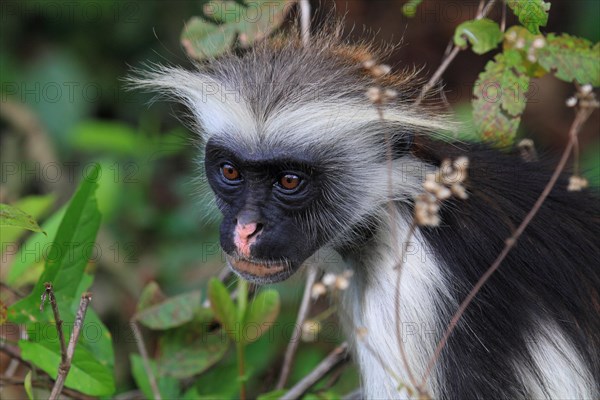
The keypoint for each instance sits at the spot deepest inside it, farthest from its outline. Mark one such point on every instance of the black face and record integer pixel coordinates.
(266, 201)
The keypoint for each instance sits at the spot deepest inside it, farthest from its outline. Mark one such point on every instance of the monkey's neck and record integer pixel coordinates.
(371, 320)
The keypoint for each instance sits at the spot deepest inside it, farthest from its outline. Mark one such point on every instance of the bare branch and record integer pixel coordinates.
(337, 356)
(139, 339)
(583, 113)
(403, 356)
(49, 294)
(311, 277)
(64, 367)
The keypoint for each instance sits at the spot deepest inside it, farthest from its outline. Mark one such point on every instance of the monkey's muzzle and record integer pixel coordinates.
(256, 269)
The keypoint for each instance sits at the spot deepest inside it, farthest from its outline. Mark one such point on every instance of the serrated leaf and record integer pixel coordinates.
(223, 307)
(531, 13)
(12, 216)
(483, 34)
(190, 350)
(86, 374)
(167, 386)
(499, 98)
(172, 312)
(260, 315)
(571, 58)
(527, 44)
(409, 9)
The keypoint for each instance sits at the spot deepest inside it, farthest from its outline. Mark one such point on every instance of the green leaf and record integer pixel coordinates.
(33, 251)
(86, 374)
(171, 313)
(12, 216)
(531, 13)
(590, 164)
(216, 383)
(151, 295)
(273, 395)
(249, 23)
(36, 206)
(483, 34)
(167, 386)
(68, 255)
(202, 39)
(190, 350)
(27, 385)
(499, 98)
(222, 305)
(111, 136)
(409, 9)
(571, 58)
(261, 314)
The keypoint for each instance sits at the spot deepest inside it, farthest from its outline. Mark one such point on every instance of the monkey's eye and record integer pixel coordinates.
(229, 172)
(289, 182)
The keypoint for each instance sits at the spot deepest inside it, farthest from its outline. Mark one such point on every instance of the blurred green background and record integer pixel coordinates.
(64, 108)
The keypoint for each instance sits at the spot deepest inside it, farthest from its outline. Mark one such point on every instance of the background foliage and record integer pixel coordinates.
(115, 181)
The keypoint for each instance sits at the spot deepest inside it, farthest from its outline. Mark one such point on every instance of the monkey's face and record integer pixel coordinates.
(266, 201)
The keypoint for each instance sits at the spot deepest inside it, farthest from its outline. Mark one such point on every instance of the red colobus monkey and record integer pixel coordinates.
(296, 155)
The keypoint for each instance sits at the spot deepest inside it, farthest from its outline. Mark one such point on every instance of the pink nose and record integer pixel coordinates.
(245, 235)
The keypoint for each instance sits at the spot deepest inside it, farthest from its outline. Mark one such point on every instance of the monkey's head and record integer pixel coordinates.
(295, 151)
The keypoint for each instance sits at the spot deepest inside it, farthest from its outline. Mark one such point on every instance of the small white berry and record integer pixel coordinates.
(328, 279)
(318, 290)
(586, 89)
(571, 102)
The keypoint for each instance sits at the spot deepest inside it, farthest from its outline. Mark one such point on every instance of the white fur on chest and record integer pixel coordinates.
(371, 306)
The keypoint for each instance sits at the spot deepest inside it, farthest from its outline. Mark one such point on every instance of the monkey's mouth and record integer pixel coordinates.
(257, 269)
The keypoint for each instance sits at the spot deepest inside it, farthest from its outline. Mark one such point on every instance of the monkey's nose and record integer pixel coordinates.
(245, 235)
(247, 231)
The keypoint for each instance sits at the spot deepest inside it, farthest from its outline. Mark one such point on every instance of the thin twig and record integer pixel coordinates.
(14, 291)
(49, 294)
(311, 277)
(64, 367)
(583, 113)
(448, 60)
(403, 356)
(305, 21)
(12, 351)
(337, 356)
(139, 339)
